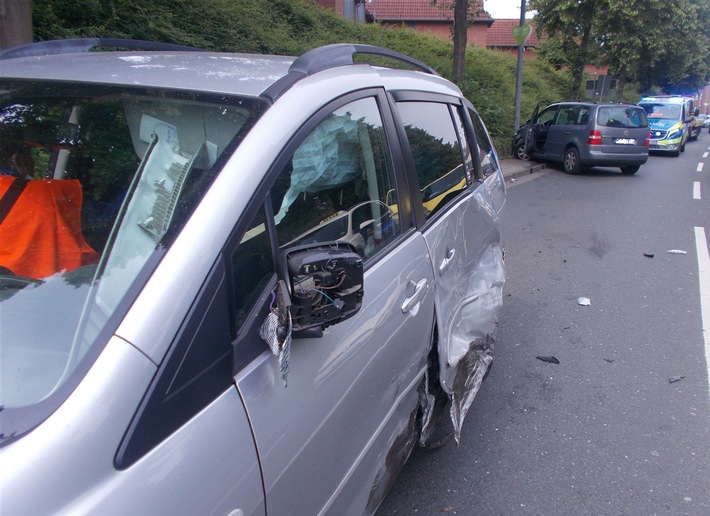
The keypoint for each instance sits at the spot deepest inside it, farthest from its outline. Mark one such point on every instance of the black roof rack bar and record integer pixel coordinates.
(80, 45)
(341, 54)
(332, 56)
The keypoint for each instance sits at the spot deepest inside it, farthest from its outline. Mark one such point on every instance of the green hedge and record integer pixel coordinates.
(294, 26)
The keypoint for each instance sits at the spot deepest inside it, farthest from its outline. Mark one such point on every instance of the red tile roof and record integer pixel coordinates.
(413, 10)
(500, 34)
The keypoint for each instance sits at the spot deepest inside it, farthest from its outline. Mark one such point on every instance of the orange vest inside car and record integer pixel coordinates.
(41, 234)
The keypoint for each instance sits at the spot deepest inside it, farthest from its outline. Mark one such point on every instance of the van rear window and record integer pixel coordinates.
(622, 116)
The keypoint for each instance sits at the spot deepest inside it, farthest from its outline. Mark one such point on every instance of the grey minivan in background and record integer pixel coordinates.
(236, 284)
(586, 134)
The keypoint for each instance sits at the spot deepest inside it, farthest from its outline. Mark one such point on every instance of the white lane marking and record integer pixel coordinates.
(701, 245)
(696, 190)
(705, 154)
(700, 167)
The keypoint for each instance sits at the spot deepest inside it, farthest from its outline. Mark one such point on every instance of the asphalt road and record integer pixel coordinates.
(622, 424)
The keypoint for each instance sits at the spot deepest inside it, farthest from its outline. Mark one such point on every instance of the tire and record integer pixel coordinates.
(570, 161)
(630, 169)
(519, 150)
(682, 147)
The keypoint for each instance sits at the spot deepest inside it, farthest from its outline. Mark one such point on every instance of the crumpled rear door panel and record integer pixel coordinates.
(467, 254)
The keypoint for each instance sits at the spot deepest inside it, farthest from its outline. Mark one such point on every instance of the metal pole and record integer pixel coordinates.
(519, 76)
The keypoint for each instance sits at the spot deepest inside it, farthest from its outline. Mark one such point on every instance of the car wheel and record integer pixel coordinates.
(630, 169)
(571, 162)
(519, 150)
(682, 147)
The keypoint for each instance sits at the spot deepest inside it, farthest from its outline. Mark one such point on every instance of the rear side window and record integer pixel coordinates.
(573, 115)
(438, 159)
(486, 150)
(627, 117)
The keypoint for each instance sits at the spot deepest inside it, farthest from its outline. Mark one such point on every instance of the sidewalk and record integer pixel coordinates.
(515, 168)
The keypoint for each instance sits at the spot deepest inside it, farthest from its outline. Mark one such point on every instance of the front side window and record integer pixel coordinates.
(547, 116)
(338, 184)
(433, 139)
(93, 182)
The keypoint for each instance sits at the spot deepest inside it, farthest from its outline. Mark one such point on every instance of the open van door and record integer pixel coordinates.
(530, 133)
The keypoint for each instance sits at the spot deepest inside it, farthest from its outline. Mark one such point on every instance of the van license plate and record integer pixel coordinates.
(625, 141)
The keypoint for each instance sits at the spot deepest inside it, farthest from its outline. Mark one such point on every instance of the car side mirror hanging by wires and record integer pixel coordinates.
(276, 329)
(326, 281)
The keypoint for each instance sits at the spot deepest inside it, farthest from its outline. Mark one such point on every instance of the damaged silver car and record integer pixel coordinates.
(235, 284)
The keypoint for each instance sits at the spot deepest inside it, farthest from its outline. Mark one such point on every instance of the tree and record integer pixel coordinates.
(15, 23)
(651, 42)
(569, 27)
(464, 12)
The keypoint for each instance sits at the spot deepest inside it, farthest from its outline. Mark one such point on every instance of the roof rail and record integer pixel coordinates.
(80, 45)
(332, 56)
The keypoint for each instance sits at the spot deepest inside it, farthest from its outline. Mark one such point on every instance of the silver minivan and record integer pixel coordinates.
(586, 134)
(181, 329)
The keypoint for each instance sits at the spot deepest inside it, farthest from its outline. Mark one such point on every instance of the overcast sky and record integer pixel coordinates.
(507, 9)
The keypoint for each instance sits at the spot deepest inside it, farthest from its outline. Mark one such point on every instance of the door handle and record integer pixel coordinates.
(444, 265)
(420, 288)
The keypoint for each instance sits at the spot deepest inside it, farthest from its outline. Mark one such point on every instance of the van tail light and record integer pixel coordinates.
(595, 138)
(647, 143)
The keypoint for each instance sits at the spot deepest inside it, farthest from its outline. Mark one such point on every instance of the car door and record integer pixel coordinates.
(462, 237)
(537, 140)
(531, 131)
(560, 131)
(335, 419)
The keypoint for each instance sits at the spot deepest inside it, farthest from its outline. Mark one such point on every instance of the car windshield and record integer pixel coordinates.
(662, 111)
(94, 182)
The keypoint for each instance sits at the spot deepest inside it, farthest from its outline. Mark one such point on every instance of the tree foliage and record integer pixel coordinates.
(650, 42)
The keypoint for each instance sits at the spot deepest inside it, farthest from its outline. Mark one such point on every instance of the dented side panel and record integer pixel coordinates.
(468, 261)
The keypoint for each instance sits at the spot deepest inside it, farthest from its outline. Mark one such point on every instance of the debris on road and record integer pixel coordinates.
(677, 251)
(584, 301)
(674, 379)
(550, 359)
(649, 255)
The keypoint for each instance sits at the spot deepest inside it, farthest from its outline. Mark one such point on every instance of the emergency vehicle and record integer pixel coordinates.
(672, 122)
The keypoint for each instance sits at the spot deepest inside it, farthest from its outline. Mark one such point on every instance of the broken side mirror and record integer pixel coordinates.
(326, 284)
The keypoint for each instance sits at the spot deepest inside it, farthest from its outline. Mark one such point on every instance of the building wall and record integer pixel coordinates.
(476, 33)
(335, 5)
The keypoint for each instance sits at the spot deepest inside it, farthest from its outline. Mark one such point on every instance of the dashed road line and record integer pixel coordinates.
(700, 167)
(696, 190)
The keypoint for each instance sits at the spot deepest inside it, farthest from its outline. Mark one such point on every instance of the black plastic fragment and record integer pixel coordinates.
(649, 255)
(550, 359)
(674, 379)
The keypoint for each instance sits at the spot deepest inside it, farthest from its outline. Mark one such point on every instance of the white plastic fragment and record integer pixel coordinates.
(584, 301)
(677, 251)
